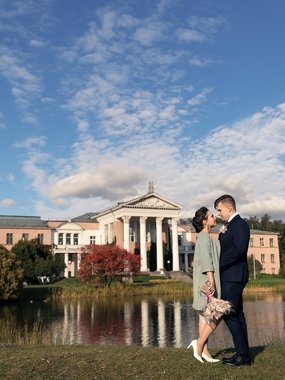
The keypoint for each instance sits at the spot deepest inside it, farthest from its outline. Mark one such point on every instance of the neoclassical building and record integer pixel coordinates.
(146, 225)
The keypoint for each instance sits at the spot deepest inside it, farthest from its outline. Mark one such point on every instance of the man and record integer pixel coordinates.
(234, 239)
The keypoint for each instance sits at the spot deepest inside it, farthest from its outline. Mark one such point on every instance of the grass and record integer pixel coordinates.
(117, 362)
(26, 358)
(266, 283)
(143, 285)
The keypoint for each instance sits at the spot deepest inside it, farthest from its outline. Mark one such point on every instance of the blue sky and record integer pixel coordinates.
(100, 97)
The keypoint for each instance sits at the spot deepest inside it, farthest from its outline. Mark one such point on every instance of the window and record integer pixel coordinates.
(9, 238)
(92, 239)
(25, 237)
(179, 240)
(261, 242)
(263, 258)
(272, 270)
(132, 234)
(68, 239)
(271, 242)
(75, 239)
(148, 237)
(272, 258)
(40, 238)
(251, 242)
(70, 258)
(60, 239)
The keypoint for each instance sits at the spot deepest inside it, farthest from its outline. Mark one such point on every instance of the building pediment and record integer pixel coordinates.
(69, 226)
(149, 201)
(152, 202)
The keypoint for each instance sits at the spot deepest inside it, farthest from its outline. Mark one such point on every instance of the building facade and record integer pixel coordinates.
(263, 247)
(146, 225)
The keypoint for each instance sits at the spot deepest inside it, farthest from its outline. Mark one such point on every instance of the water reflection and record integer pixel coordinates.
(147, 321)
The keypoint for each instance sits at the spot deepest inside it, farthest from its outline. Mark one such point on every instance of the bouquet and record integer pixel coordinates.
(216, 307)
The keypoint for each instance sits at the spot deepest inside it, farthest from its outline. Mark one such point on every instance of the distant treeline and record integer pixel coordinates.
(264, 223)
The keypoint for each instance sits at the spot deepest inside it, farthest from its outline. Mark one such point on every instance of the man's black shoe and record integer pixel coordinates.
(238, 360)
(225, 360)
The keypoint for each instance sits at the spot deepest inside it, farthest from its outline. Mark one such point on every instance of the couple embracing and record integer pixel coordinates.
(222, 264)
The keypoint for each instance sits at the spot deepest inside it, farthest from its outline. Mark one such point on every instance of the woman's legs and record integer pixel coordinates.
(205, 331)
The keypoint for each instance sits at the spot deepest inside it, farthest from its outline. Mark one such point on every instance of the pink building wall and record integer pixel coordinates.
(18, 233)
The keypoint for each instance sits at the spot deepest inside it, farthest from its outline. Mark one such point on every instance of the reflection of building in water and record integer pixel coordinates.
(267, 318)
(161, 322)
(145, 323)
(177, 323)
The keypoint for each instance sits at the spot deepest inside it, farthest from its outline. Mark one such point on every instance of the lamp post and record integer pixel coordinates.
(253, 260)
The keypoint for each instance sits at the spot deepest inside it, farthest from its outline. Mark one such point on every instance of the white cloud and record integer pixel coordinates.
(199, 98)
(188, 35)
(36, 141)
(109, 182)
(200, 62)
(246, 160)
(25, 86)
(147, 35)
(7, 202)
(38, 43)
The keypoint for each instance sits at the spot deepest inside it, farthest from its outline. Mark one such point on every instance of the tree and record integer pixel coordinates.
(11, 275)
(106, 263)
(37, 260)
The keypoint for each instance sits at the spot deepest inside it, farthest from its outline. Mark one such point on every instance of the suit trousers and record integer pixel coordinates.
(235, 321)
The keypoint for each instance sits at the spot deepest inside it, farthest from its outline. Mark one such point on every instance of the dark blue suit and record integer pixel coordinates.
(234, 276)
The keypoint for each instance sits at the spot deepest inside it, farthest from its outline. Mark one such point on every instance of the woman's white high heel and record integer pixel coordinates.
(209, 359)
(193, 344)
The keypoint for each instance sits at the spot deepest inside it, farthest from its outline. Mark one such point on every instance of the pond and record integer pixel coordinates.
(142, 321)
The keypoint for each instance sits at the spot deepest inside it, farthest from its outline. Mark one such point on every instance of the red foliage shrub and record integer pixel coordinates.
(107, 262)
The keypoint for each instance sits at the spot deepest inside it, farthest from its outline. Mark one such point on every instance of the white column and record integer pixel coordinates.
(78, 255)
(128, 323)
(177, 323)
(143, 244)
(66, 265)
(126, 220)
(159, 248)
(175, 252)
(145, 324)
(161, 323)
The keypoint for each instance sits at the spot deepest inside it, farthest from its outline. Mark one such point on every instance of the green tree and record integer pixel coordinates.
(37, 260)
(11, 275)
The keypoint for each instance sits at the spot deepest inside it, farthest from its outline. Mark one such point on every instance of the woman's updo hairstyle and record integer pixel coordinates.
(200, 216)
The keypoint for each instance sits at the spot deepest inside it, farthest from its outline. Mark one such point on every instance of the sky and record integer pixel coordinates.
(99, 97)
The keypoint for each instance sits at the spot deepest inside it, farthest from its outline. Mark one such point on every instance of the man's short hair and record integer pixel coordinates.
(226, 198)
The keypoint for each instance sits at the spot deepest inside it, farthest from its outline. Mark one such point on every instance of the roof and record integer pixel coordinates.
(88, 217)
(14, 221)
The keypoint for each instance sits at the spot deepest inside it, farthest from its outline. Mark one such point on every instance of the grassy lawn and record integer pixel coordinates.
(113, 362)
(142, 285)
(48, 362)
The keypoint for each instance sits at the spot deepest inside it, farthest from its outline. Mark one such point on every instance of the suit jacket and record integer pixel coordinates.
(234, 245)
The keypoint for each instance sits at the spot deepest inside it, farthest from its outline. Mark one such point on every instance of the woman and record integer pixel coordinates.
(205, 268)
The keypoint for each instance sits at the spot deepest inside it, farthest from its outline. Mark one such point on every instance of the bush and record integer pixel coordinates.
(11, 275)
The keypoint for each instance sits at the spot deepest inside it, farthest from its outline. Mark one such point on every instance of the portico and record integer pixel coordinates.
(146, 225)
